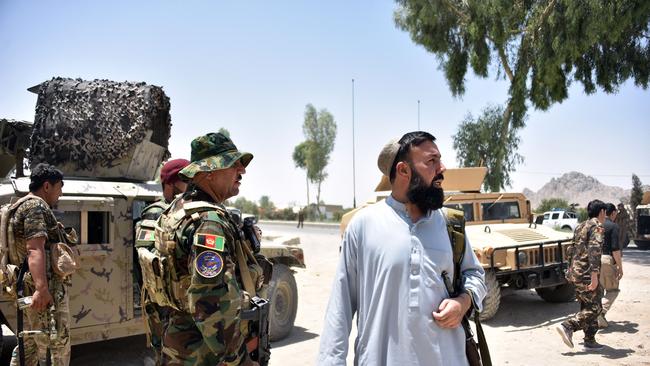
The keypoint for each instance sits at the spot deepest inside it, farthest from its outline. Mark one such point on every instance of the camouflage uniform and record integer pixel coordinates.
(155, 315)
(588, 239)
(210, 331)
(33, 219)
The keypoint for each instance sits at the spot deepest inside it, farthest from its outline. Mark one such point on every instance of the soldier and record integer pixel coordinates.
(625, 229)
(611, 264)
(35, 229)
(172, 185)
(583, 273)
(217, 273)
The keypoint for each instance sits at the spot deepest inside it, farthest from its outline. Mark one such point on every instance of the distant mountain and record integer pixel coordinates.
(577, 188)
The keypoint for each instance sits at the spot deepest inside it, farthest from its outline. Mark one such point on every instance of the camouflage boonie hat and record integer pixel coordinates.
(213, 151)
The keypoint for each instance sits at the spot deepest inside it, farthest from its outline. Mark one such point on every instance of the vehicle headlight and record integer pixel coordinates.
(488, 250)
(523, 258)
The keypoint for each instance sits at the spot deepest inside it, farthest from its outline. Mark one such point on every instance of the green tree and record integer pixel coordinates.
(300, 160)
(637, 192)
(313, 154)
(246, 206)
(548, 204)
(476, 144)
(539, 47)
(266, 207)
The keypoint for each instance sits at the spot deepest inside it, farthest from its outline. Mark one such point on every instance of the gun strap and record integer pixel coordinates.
(20, 286)
(243, 269)
(456, 229)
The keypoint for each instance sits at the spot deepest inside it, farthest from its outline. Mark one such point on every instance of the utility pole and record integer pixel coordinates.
(418, 114)
(354, 190)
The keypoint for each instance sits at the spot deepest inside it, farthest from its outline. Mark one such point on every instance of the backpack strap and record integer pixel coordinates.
(456, 229)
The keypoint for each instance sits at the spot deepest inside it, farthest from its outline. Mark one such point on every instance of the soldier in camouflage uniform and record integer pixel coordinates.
(35, 228)
(209, 253)
(584, 273)
(172, 185)
(626, 231)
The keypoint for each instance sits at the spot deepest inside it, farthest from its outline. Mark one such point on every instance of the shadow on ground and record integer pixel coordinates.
(637, 256)
(298, 334)
(607, 352)
(129, 351)
(525, 310)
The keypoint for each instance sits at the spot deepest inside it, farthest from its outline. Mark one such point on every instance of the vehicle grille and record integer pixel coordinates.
(550, 255)
(523, 235)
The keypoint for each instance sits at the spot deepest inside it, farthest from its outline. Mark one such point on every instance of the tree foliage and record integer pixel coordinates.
(476, 144)
(313, 154)
(548, 204)
(637, 192)
(539, 47)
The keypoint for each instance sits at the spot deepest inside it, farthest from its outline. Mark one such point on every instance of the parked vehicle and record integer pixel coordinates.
(559, 219)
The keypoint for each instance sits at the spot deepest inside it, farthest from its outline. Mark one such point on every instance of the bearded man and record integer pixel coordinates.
(394, 256)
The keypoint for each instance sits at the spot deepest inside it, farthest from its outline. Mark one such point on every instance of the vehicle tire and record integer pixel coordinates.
(642, 244)
(492, 299)
(567, 228)
(283, 294)
(561, 293)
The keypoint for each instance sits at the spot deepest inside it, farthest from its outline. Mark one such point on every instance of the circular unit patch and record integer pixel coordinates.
(209, 264)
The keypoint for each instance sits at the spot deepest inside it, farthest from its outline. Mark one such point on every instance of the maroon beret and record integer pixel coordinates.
(169, 171)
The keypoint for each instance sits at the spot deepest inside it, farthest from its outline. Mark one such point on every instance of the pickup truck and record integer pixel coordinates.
(560, 219)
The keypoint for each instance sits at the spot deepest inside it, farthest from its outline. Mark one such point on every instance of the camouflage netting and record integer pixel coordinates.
(14, 141)
(95, 125)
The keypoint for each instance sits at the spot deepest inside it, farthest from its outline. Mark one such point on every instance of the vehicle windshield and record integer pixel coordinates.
(500, 210)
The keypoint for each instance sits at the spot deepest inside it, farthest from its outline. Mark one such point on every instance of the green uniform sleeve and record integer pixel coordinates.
(595, 247)
(215, 297)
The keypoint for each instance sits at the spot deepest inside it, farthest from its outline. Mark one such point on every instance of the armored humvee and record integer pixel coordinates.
(109, 139)
(642, 237)
(514, 252)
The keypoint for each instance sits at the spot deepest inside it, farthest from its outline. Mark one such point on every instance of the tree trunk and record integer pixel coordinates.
(501, 151)
(318, 200)
(307, 182)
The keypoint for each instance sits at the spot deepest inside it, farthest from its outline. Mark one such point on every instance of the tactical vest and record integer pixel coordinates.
(163, 281)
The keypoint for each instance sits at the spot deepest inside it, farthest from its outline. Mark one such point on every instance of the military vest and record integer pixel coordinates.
(163, 279)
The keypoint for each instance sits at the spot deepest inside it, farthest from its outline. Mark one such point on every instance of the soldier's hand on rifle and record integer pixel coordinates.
(41, 299)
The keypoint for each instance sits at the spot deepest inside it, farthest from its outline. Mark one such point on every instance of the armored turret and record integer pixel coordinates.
(100, 128)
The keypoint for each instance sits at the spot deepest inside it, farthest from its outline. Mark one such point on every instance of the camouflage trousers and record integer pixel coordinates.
(36, 346)
(156, 318)
(590, 308)
(183, 344)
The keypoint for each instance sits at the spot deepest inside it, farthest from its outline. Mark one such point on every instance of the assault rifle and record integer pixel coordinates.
(259, 317)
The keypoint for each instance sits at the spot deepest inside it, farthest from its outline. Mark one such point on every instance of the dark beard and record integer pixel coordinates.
(425, 197)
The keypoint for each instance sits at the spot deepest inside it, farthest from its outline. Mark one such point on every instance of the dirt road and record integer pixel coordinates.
(522, 333)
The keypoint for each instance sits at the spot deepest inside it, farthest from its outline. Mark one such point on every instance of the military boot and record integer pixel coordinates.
(592, 345)
(566, 333)
(602, 322)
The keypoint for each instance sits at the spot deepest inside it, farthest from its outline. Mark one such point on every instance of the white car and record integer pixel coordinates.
(560, 219)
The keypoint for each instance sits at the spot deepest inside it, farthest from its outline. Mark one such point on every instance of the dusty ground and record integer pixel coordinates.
(521, 334)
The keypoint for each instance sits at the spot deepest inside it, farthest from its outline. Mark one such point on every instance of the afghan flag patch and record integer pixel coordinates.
(146, 235)
(211, 241)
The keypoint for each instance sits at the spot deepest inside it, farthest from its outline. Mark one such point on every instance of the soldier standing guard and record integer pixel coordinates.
(35, 230)
(584, 272)
(213, 272)
(172, 185)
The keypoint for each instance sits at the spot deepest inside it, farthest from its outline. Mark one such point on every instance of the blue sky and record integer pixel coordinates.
(252, 69)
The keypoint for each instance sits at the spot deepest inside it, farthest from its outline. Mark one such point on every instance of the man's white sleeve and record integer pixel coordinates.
(473, 276)
(342, 305)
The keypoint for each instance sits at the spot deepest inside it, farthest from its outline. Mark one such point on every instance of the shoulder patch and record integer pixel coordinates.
(146, 235)
(208, 264)
(210, 241)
